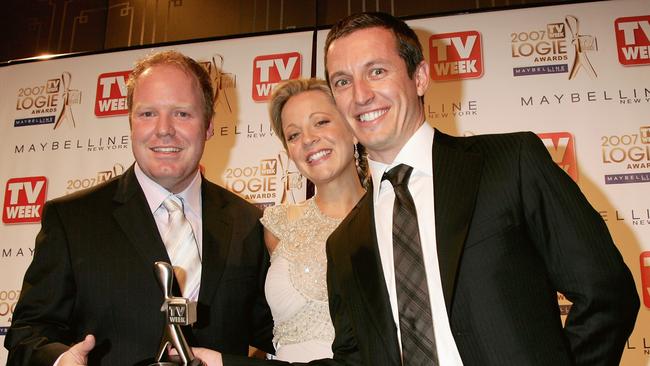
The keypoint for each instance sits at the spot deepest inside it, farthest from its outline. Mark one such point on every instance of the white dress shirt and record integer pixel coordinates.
(192, 207)
(417, 154)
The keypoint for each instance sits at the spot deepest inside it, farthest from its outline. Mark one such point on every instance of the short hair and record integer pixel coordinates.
(281, 95)
(283, 92)
(408, 46)
(187, 64)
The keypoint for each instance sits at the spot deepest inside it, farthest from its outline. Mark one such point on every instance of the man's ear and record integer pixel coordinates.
(422, 77)
(209, 132)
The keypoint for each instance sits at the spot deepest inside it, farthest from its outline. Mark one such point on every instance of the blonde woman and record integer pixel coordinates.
(320, 143)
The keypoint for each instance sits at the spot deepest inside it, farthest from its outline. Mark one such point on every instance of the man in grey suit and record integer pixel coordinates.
(90, 295)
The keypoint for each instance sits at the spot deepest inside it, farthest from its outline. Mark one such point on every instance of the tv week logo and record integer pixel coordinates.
(633, 40)
(268, 167)
(645, 277)
(269, 70)
(456, 55)
(110, 99)
(24, 200)
(562, 149)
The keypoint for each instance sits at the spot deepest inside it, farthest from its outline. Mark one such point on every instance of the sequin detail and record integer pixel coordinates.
(302, 243)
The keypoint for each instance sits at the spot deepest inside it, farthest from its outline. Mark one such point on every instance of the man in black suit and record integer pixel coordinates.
(502, 228)
(92, 281)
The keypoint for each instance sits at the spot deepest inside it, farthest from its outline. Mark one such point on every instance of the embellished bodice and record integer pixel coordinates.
(296, 287)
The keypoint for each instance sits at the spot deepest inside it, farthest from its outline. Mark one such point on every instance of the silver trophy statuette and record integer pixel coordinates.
(178, 311)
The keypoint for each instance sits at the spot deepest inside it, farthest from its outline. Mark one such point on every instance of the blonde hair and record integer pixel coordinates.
(187, 64)
(283, 92)
(281, 95)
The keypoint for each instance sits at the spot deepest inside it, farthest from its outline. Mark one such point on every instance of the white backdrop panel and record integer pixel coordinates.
(51, 147)
(592, 123)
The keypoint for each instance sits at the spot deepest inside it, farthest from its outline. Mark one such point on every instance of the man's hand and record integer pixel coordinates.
(207, 356)
(77, 355)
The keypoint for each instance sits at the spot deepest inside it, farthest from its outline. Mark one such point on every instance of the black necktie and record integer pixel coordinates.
(415, 322)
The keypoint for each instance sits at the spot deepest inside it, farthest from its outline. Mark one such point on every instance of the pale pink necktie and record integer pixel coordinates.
(182, 248)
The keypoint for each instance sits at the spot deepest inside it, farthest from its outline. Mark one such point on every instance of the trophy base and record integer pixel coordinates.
(194, 362)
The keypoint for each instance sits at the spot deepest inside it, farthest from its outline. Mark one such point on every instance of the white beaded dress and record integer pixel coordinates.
(296, 287)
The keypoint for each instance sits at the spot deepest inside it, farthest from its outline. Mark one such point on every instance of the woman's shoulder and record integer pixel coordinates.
(278, 218)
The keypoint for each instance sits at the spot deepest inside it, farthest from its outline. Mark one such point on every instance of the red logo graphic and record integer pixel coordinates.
(269, 70)
(24, 200)
(562, 149)
(111, 94)
(645, 277)
(456, 55)
(633, 40)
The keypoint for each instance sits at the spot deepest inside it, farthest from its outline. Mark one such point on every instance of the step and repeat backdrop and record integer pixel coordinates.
(64, 127)
(578, 75)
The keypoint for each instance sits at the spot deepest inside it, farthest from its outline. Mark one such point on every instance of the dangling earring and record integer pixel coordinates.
(356, 155)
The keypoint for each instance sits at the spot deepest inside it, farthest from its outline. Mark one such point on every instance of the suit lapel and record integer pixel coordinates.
(456, 177)
(136, 221)
(367, 269)
(217, 236)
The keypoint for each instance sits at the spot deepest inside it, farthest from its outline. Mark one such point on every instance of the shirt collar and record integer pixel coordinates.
(410, 154)
(156, 194)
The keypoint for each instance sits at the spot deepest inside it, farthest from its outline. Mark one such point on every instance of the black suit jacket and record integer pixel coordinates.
(92, 272)
(511, 229)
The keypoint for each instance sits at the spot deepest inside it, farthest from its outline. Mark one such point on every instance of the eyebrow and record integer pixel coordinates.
(290, 124)
(319, 113)
(337, 74)
(367, 65)
(176, 105)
